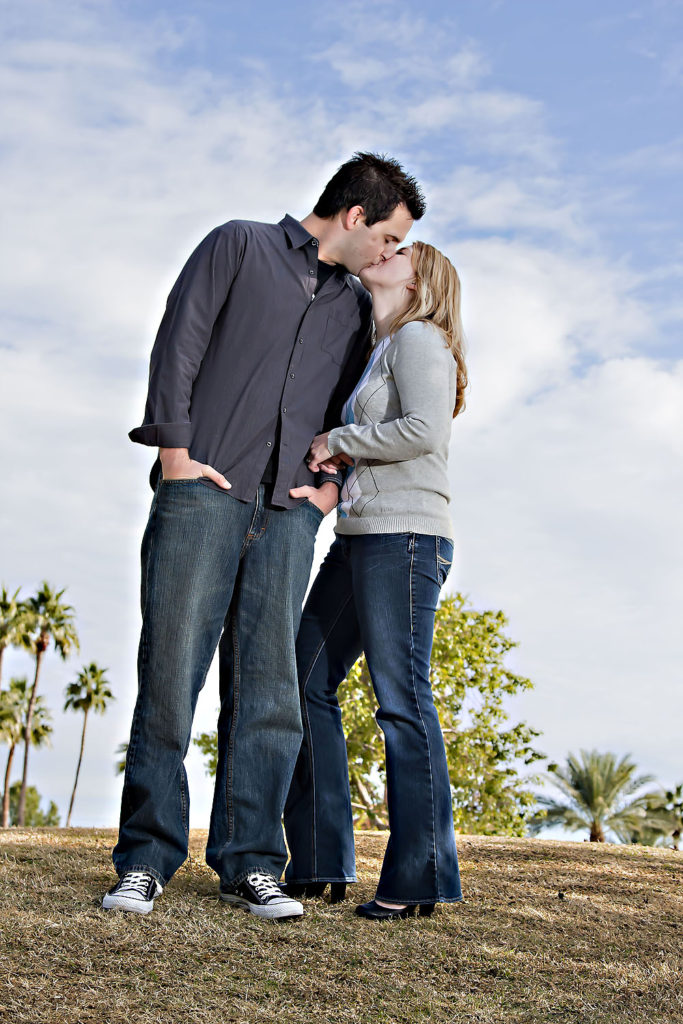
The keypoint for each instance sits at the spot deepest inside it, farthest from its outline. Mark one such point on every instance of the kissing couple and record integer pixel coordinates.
(298, 367)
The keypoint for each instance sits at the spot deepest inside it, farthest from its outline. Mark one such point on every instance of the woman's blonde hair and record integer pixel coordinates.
(436, 300)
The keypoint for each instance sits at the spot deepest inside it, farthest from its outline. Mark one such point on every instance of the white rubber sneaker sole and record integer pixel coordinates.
(272, 911)
(126, 903)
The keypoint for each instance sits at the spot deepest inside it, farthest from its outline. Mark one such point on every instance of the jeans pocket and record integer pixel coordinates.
(444, 559)
(181, 480)
(318, 511)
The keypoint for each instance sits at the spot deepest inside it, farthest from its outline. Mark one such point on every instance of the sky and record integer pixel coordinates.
(549, 142)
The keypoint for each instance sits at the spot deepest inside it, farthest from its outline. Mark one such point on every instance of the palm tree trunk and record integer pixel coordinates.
(78, 769)
(5, 792)
(21, 809)
(597, 835)
(2, 651)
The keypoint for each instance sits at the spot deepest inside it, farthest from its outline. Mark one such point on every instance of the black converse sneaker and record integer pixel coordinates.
(260, 893)
(136, 890)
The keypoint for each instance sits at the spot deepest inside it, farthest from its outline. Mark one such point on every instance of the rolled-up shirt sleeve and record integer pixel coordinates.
(419, 362)
(184, 334)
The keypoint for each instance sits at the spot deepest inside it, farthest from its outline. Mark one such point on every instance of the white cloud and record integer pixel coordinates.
(567, 517)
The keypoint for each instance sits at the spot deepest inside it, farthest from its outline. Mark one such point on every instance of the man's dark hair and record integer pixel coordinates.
(377, 183)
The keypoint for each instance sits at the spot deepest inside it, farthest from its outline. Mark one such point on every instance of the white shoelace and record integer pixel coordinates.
(265, 885)
(137, 881)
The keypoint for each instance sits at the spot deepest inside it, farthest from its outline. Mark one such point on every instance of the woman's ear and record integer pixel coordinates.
(411, 286)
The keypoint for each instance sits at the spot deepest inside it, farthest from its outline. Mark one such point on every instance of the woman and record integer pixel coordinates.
(377, 592)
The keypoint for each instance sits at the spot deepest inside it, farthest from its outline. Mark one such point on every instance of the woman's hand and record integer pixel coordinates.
(318, 452)
(320, 457)
(335, 463)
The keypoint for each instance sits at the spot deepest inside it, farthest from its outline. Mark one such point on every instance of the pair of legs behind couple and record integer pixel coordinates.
(212, 565)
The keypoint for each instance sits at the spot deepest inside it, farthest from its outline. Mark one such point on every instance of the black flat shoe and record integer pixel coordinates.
(374, 912)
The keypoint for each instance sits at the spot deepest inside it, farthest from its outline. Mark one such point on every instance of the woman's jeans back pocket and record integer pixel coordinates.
(444, 558)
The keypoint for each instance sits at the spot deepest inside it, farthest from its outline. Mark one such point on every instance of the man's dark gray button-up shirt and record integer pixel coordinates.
(247, 343)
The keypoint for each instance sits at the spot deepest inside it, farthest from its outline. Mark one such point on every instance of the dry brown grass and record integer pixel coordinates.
(549, 932)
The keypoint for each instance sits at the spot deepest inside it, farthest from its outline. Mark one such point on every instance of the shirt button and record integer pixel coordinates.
(292, 375)
(269, 444)
(301, 341)
(312, 273)
(284, 410)
(314, 241)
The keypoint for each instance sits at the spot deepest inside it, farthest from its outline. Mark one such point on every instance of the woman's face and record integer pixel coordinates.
(394, 273)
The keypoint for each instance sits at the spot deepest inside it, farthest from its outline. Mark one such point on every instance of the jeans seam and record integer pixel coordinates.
(144, 654)
(419, 711)
(184, 804)
(306, 725)
(233, 728)
(248, 536)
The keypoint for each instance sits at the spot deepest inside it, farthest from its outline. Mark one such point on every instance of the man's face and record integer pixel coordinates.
(367, 245)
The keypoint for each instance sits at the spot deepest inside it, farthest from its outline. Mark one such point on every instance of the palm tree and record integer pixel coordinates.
(89, 692)
(13, 709)
(13, 623)
(674, 806)
(667, 808)
(597, 790)
(120, 763)
(49, 619)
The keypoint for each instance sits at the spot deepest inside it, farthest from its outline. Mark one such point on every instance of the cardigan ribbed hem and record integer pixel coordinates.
(355, 525)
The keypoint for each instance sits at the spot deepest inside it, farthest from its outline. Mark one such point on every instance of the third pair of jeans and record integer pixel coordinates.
(375, 593)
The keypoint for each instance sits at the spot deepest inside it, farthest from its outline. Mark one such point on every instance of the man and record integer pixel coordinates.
(264, 336)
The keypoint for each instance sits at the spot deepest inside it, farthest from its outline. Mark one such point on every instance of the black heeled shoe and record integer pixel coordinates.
(313, 889)
(337, 892)
(372, 911)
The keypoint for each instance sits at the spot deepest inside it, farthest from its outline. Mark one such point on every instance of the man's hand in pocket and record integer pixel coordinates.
(176, 464)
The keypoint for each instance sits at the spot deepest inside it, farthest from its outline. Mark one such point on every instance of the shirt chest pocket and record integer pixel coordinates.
(336, 339)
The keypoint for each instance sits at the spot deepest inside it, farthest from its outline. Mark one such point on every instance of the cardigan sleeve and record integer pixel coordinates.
(422, 368)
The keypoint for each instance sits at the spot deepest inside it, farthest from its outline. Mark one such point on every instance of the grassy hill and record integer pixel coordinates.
(549, 932)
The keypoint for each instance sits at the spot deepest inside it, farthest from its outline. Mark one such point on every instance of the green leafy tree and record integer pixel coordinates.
(599, 797)
(34, 816)
(486, 755)
(50, 619)
(13, 709)
(14, 622)
(208, 744)
(89, 692)
(471, 685)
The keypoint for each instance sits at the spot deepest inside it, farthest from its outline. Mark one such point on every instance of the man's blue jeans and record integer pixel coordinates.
(211, 563)
(378, 594)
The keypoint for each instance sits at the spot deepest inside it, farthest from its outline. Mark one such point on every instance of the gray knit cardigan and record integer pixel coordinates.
(399, 439)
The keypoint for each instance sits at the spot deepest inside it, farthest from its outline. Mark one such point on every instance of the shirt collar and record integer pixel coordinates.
(298, 237)
(296, 233)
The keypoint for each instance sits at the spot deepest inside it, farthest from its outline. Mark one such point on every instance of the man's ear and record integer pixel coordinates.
(353, 217)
